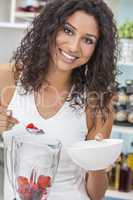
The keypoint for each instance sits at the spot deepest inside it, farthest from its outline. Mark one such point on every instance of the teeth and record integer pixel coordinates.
(68, 56)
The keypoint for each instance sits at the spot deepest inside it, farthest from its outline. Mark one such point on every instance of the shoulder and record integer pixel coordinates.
(6, 74)
(7, 83)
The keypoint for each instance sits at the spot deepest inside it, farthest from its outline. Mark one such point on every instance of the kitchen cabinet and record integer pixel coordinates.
(13, 17)
(125, 133)
(126, 72)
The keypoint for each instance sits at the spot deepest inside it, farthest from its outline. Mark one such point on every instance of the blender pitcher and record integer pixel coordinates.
(32, 163)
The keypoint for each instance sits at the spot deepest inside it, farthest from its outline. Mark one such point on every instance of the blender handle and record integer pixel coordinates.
(8, 159)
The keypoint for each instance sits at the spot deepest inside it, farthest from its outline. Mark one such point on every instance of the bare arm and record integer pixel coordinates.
(97, 181)
(6, 91)
(7, 84)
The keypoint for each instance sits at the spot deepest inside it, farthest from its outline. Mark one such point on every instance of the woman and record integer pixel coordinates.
(65, 67)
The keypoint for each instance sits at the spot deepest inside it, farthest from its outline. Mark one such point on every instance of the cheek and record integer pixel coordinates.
(61, 39)
(88, 51)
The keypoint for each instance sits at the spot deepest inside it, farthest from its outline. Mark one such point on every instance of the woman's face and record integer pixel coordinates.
(75, 41)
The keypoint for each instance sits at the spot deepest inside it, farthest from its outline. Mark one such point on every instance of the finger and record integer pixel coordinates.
(3, 126)
(12, 120)
(1, 105)
(3, 117)
(109, 168)
(99, 137)
(9, 113)
(10, 126)
(5, 111)
(9, 118)
(2, 109)
(7, 122)
(6, 125)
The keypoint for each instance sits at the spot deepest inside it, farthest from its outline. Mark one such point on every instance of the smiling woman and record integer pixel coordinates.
(65, 71)
(75, 42)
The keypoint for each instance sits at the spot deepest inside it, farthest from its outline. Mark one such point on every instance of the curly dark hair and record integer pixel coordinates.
(96, 77)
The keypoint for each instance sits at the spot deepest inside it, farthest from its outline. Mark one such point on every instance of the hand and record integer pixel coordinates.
(99, 137)
(7, 122)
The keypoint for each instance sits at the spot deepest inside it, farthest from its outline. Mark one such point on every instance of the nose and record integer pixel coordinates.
(75, 45)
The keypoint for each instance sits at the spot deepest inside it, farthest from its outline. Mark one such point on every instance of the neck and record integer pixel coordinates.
(59, 79)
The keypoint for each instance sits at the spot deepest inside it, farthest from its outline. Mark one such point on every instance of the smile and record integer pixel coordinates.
(69, 58)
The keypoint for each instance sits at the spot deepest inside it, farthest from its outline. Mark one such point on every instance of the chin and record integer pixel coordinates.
(64, 67)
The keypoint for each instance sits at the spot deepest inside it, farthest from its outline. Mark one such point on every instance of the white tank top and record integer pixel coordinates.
(67, 125)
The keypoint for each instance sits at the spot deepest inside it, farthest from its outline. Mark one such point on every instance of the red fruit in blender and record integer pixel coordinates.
(34, 186)
(22, 181)
(43, 181)
(26, 196)
(21, 190)
(44, 191)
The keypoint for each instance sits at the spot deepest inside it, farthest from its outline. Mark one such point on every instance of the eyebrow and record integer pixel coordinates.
(88, 34)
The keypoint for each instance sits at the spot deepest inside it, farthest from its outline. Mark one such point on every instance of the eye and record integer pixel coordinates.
(89, 41)
(67, 30)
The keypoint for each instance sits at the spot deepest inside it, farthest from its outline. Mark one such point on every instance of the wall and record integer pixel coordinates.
(125, 11)
(4, 10)
(9, 40)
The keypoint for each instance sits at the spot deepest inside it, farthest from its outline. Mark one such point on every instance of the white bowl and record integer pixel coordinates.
(95, 155)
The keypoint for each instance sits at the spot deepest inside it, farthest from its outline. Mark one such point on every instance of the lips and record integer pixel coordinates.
(68, 57)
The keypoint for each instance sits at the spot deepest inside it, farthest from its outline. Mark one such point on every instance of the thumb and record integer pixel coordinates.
(9, 114)
(99, 137)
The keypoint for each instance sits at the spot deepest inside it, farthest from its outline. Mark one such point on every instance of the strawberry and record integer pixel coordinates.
(43, 194)
(22, 181)
(43, 181)
(31, 126)
(21, 190)
(44, 191)
(26, 196)
(34, 186)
